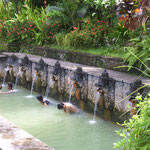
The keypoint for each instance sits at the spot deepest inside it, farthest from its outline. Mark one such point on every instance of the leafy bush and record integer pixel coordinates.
(139, 52)
(136, 134)
(119, 34)
(90, 35)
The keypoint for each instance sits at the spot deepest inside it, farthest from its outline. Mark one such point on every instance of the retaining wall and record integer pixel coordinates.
(85, 83)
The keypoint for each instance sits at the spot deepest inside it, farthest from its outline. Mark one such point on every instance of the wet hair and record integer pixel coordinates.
(132, 99)
(10, 85)
(1, 87)
(60, 106)
(40, 98)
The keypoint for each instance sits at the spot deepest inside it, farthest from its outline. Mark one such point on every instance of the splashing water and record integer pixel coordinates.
(32, 86)
(93, 121)
(6, 70)
(17, 77)
(70, 94)
(48, 88)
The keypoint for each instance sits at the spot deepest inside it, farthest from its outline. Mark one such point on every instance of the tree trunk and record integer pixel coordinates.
(16, 4)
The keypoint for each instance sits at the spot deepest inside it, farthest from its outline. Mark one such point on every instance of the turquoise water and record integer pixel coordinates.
(56, 128)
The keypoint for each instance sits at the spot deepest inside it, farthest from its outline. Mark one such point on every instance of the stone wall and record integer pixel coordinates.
(78, 57)
(84, 81)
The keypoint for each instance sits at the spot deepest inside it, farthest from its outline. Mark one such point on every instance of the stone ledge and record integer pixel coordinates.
(81, 58)
(118, 76)
(13, 138)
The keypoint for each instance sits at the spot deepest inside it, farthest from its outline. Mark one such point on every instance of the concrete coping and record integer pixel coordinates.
(14, 138)
(2, 56)
(118, 76)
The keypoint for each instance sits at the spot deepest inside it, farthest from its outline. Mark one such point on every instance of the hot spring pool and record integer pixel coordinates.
(56, 128)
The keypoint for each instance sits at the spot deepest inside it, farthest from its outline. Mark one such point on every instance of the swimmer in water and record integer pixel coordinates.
(1, 88)
(43, 101)
(10, 89)
(67, 107)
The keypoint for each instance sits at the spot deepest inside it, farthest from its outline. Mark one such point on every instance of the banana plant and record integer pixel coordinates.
(68, 12)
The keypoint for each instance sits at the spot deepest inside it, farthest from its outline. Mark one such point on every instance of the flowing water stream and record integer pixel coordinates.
(56, 128)
(48, 88)
(5, 74)
(93, 121)
(17, 77)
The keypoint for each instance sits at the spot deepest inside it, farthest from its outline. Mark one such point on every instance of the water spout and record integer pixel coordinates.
(70, 82)
(93, 121)
(33, 80)
(32, 86)
(50, 83)
(70, 94)
(17, 77)
(5, 74)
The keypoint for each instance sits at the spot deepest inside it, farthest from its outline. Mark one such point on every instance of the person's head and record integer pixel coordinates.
(40, 98)
(60, 106)
(100, 90)
(132, 99)
(1, 87)
(10, 86)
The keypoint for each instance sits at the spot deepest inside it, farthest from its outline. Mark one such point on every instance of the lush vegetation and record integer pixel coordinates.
(91, 26)
(136, 134)
(81, 25)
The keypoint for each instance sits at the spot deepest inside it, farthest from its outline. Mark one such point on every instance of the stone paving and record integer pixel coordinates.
(13, 138)
(118, 76)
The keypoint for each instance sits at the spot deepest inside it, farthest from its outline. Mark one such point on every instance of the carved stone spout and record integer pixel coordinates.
(41, 65)
(78, 75)
(57, 68)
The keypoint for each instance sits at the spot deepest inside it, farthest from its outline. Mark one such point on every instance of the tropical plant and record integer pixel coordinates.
(7, 10)
(90, 35)
(69, 12)
(136, 132)
(119, 34)
(140, 50)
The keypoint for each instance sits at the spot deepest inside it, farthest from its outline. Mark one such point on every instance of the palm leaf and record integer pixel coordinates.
(51, 8)
(81, 12)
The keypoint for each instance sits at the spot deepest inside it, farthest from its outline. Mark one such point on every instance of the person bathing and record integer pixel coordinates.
(10, 89)
(44, 101)
(67, 107)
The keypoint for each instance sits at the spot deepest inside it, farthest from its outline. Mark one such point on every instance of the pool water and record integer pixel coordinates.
(56, 128)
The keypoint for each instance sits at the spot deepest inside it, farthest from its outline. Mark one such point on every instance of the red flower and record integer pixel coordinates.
(30, 25)
(35, 27)
(75, 28)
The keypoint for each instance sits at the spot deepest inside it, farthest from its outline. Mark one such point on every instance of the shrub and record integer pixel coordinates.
(136, 134)
(90, 35)
(139, 52)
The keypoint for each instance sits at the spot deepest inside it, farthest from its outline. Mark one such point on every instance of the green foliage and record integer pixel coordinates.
(140, 47)
(119, 34)
(90, 35)
(136, 134)
(68, 12)
(6, 11)
(60, 39)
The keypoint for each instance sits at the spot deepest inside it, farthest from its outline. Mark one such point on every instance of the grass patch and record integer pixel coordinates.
(3, 47)
(113, 51)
